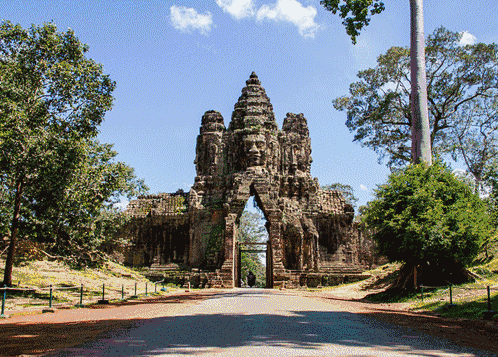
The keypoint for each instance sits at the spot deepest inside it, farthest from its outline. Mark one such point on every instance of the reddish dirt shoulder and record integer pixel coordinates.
(34, 335)
(478, 334)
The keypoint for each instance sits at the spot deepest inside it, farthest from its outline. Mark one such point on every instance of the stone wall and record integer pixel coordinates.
(368, 256)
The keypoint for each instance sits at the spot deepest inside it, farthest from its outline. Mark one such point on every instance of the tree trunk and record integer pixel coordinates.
(7, 278)
(421, 134)
(415, 285)
(411, 276)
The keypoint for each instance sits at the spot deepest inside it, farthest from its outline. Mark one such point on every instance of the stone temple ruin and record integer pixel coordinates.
(311, 235)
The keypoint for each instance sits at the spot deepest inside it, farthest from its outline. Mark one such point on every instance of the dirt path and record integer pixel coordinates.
(34, 335)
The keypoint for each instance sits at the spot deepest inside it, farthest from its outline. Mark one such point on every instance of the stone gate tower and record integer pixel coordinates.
(310, 230)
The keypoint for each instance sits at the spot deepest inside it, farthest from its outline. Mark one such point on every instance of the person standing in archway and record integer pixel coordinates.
(251, 279)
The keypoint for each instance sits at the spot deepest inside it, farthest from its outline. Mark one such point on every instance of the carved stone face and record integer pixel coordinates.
(255, 146)
(294, 158)
(304, 159)
(299, 159)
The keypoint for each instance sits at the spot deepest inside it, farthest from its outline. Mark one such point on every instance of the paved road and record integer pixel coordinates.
(257, 322)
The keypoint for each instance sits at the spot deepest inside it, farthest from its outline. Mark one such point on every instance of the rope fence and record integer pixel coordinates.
(68, 295)
(487, 314)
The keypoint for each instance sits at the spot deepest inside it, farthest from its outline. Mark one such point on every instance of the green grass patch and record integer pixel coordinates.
(469, 310)
(467, 307)
(489, 267)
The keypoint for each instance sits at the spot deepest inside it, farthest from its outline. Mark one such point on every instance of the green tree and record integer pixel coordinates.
(429, 220)
(252, 230)
(474, 138)
(76, 221)
(51, 97)
(346, 190)
(360, 11)
(462, 94)
(490, 176)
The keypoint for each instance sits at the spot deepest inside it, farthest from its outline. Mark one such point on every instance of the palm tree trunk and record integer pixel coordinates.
(421, 135)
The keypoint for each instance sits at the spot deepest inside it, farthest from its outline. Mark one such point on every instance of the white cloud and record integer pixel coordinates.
(237, 8)
(467, 38)
(294, 12)
(187, 19)
(363, 188)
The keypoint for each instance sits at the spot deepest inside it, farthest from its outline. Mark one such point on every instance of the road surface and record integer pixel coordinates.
(258, 322)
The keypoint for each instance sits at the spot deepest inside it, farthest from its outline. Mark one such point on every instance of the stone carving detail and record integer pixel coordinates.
(310, 230)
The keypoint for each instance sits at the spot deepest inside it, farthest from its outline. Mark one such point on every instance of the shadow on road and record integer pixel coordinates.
(211, 333)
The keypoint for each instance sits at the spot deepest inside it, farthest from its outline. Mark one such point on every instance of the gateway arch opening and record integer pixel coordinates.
(252, 242)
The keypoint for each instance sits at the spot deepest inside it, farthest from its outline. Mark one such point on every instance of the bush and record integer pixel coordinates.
(428, 219)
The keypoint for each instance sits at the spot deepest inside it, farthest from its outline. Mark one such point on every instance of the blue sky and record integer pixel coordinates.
(174, 60)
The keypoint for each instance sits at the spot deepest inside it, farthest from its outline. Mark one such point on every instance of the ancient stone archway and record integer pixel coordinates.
(310, 230)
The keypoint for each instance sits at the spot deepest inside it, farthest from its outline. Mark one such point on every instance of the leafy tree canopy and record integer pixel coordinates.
(251, 228)
(77, 220)
(462, 87)
(52, 100)
(491, 199)
(355, 13)
(426, 215)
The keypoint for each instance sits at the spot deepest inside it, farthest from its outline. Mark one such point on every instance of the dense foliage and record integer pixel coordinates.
(492, 201)
(356, 14)
(55, 179)
(427, 216)
(76, 220)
